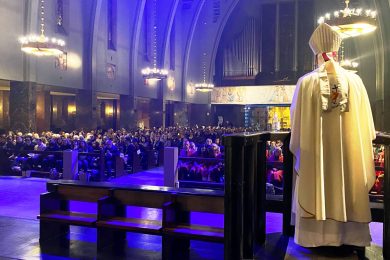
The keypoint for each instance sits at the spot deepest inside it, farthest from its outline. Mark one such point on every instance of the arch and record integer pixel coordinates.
(214, 42)
(219, 35)
(187, 51)
(171, 18)
(135, 43)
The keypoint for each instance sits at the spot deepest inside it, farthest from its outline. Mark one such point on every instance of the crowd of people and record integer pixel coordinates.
(191, 141)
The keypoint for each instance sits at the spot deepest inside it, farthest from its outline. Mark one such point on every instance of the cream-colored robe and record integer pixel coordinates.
(333, 159)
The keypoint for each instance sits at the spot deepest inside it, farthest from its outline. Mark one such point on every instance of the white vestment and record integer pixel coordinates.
(332, 147)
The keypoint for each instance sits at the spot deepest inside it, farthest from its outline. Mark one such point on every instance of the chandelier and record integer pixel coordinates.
(351, 22)
(154, 73)
(346, 63)
(349, 64)
(204, 86)
(40, 45)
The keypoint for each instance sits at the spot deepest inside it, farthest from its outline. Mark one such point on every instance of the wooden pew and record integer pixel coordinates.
(178, 230)
(56, 217)
(112, 220)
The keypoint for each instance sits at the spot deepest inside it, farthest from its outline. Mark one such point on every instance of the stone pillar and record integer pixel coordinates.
(156, 112)
(22, 106)
(169, 114)
(86, 110)
(127, 115)
(43, 110)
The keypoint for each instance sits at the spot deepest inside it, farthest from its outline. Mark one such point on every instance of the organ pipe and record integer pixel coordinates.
(241, 57)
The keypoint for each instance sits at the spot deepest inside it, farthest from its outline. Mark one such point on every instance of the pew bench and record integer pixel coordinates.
(178, 230)
(113, 224)
(55, 215)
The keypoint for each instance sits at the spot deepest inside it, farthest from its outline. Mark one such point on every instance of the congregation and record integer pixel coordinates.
(18, 148)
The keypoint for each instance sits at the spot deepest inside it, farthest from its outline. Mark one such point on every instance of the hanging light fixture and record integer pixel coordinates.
(204, 86)
(347, 64)
(351, 22)
(41, 45)
(154, 73)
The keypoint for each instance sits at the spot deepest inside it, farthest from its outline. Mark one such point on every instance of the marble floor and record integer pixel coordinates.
(19, 230)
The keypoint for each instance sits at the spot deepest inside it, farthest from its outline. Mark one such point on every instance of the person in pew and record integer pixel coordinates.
(28, 145)
(193, 150)
(65, 144)
(216, 152)
(15, 154)
(120, 143)
(96, 148)
(218, 142)
(9, 144)
(206, 150)
(14, 147)
(185, 151)
(128, 151)
(144, 147)
(50, 160)
(175, 141)
(84, 160)
(24, 160)
(165, 140)
(34, 160)
(110, 152)
(158, 147)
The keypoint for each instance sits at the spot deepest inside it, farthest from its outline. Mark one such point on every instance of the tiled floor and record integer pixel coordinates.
(19, 230)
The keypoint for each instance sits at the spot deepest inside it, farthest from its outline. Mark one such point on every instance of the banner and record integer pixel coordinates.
(253, 95)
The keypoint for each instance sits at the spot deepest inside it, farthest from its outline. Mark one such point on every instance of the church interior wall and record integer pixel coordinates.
(112, 65)
(186, 45)
(12, 18)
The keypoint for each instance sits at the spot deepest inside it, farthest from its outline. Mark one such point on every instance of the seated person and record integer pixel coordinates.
(50, 160)
(206, 150)
(275, 177)
(24, 159)
(37, 158)
(84, 160)
(110, 152)
(185, 151)
(129, 150)
(216, 151)
(193, 152)
(218, 142)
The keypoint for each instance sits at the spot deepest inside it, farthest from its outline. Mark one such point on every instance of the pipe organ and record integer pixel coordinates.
(267, 45)
(242, 56)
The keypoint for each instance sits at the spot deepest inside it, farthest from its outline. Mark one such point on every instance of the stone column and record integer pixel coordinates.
(22, 106)
(156, 110)
(43, 110)
(127, 116)
(86, 110)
